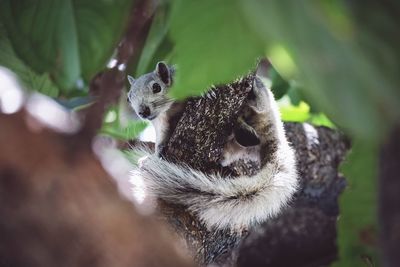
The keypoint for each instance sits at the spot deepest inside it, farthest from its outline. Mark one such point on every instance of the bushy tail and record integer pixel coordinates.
(233, 202)
(236, 202)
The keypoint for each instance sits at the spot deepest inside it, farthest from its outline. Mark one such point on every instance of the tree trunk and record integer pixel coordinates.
(389, 199)
(59, 207)
(306, 230)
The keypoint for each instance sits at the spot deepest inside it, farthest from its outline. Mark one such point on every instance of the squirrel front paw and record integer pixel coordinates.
(259, 97)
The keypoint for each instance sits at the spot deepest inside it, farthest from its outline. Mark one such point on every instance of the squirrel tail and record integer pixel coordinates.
(230, 202)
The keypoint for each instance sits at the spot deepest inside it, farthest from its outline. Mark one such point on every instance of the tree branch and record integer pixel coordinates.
(107, 84)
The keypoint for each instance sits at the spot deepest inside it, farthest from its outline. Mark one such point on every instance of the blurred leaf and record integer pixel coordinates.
(313, 107)
(131, 131)
(294, 95)
(76, 103)
(66, 38)
(302, 113)
(279, 85)
(357, 223)
(158, 33)
(100, 25)
(44, 36)
(289, 112)
(213, 44)
(282, 60)
(346, 83)
(320, 119)
(30, 79)
(113, 126)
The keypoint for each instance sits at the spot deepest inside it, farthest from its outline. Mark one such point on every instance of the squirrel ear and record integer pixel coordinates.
(163, 71)
(131, 79)
(263, 68)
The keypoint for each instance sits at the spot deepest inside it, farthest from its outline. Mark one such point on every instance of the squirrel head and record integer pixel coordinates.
(148, 94)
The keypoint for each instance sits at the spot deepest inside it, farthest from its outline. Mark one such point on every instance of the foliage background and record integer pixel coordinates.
(335, 64)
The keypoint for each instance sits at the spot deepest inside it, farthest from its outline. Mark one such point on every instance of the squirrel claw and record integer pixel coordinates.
(142, 161)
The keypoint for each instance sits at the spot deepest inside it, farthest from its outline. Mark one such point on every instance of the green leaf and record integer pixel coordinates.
(289, 112)
(66, 38)
(279, 85)
(302, 113)
(115, 127)
(213, 44)
(155, 39)
(321, 119)
(99, 25)
(131, 131)
(358, 205)
(339, 77)
(30, 79)
(294, 95)
(76, 103)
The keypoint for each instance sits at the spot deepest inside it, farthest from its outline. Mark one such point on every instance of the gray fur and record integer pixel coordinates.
(141, 92)
(160, 105)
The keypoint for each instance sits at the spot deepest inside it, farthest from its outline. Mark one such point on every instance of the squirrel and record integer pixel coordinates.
(235, 203)
(148, 96)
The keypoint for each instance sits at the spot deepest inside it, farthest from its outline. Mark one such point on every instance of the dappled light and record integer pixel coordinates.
(11, 95)
(52, 115)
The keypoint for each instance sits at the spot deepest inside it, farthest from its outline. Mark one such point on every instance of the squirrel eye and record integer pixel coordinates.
(156, 88)
(127, 100)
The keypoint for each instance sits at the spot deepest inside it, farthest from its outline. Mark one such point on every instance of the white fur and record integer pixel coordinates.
(233, 152)
(234, 203)
(160, 125)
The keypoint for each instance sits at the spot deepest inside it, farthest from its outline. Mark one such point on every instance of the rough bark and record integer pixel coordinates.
(306, 230)
(305, 233)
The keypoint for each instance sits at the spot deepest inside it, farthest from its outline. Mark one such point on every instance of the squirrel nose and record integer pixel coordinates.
(144, 111)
